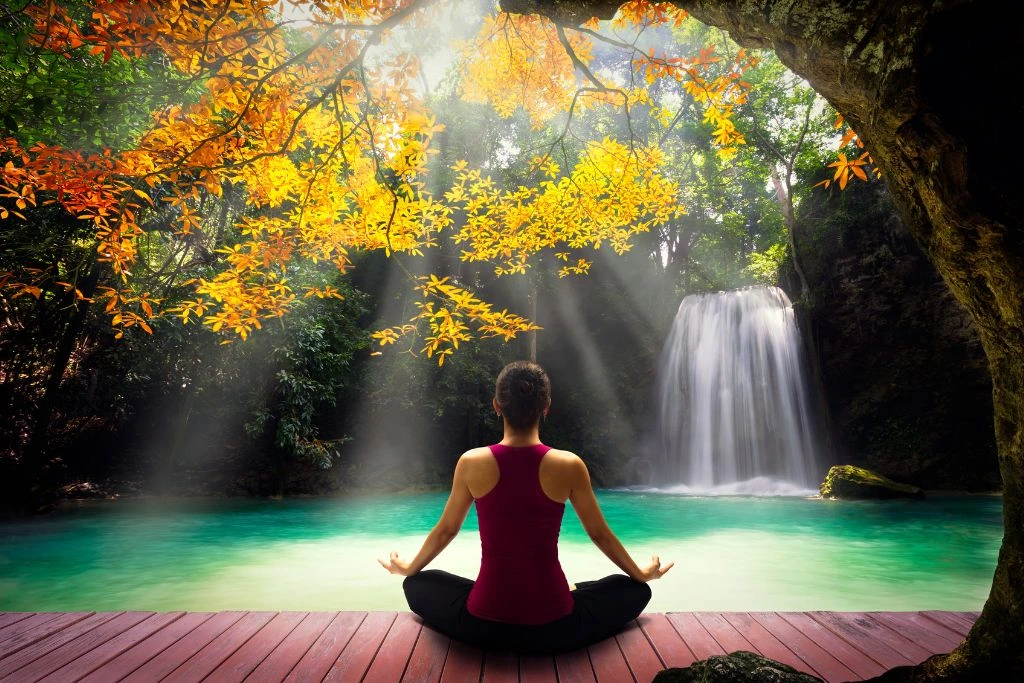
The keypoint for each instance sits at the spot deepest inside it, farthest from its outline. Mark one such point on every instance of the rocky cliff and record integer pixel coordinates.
(905, 379)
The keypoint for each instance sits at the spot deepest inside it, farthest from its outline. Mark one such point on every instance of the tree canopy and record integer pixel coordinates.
(303, 128)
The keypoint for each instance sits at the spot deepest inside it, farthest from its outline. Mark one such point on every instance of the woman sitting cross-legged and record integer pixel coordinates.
(521, 600)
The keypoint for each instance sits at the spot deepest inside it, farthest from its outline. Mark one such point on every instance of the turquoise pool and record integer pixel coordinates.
(731, 553)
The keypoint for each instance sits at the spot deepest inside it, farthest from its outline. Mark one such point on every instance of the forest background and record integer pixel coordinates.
(313, 402)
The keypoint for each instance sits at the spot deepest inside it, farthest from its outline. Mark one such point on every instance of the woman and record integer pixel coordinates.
(521, 599)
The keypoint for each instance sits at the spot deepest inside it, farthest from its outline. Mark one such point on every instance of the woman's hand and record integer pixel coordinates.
(654, 570)
(395, 564)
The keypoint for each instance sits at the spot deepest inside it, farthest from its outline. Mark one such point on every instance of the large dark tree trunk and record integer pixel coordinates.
(922, 84)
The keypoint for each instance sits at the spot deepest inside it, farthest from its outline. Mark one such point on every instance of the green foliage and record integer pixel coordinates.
(311, 361)
(764, 265)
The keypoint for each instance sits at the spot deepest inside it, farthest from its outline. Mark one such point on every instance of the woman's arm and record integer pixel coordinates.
(455, 511)
(584, 502)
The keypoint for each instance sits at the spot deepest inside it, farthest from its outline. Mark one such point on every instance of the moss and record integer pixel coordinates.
(848, 481)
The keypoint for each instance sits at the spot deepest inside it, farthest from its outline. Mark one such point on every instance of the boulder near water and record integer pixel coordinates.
(738, 667)
(850, 482)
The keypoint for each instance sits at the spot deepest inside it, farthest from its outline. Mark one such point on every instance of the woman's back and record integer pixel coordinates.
(521, 580)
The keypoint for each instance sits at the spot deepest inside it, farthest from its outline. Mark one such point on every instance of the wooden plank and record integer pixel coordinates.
(904, 645)
(41, 648)
(693, 633)
(322, 654)
(463, 664)
(643, 660)
(246, 658)
(666, 641)
(817, 657)
(574, 667)
(92, 639)
(767, 644)
(355, 659)
(214, 653)
(171, 657)
(500, 666)
(135, 656)
(276, 666)
(84, 664)
(608, 661)
(35, 628)
(427, 660)
(723, 632)
(863, 640)
(920, 629)
(537, 669)
(951, 620)
(8, 618)
(855, 660)
(392, 658)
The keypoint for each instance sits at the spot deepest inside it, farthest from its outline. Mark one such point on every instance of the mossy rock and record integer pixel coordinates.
(737, 667)
(847, 481)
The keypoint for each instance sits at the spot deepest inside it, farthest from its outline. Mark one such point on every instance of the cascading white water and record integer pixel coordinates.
(734, 410)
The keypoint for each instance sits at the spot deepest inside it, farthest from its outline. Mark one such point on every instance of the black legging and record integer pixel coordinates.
(601, 609)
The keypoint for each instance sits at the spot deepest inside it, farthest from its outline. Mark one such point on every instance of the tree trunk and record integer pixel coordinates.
(35, 457)
(909, 79)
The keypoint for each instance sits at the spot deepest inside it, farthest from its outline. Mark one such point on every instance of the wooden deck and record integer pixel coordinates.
(386, 646)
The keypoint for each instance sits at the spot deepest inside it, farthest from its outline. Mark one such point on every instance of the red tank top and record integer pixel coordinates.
(521, 580)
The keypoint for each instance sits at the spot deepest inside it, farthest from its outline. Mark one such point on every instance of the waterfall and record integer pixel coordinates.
(733, 405)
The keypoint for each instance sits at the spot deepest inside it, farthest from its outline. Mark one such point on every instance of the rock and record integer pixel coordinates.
(737, 667)
(85, 489)
(848, 481)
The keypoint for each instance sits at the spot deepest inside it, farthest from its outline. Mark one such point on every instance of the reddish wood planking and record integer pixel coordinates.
(574, 667)
(93, 659)
(906, 646)
(608, 662)
(766, 644)
(43, 647)
(357, 656)
(92, 641)
(957, 622)
(817, 657)
(427, 660)
(388, 647)
(855, 660)
(324, 651)
(195, 640)
(137, 655)
(390, 662)
(863, 640)
(280, 661)
(499, 667)
(213, 654)
(640, 654)
(537, 669)
(463, 664)
(666, 640)
(8, 618)
(696, 637)
(920, 629)
(246, 658)
(34, 629)
(723, 632)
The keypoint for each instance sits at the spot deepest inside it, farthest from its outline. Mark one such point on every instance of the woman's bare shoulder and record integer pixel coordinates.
(566, 459)
(475, 455)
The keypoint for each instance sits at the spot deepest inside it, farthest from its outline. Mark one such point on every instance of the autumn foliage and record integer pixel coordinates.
(329, 142)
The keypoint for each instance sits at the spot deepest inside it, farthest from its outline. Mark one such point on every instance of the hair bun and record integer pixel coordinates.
(526, 387)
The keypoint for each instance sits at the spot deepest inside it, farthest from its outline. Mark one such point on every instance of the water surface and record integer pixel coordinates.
(731, 553)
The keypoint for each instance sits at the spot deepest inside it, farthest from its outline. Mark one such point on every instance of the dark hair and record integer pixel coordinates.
(523, 392)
